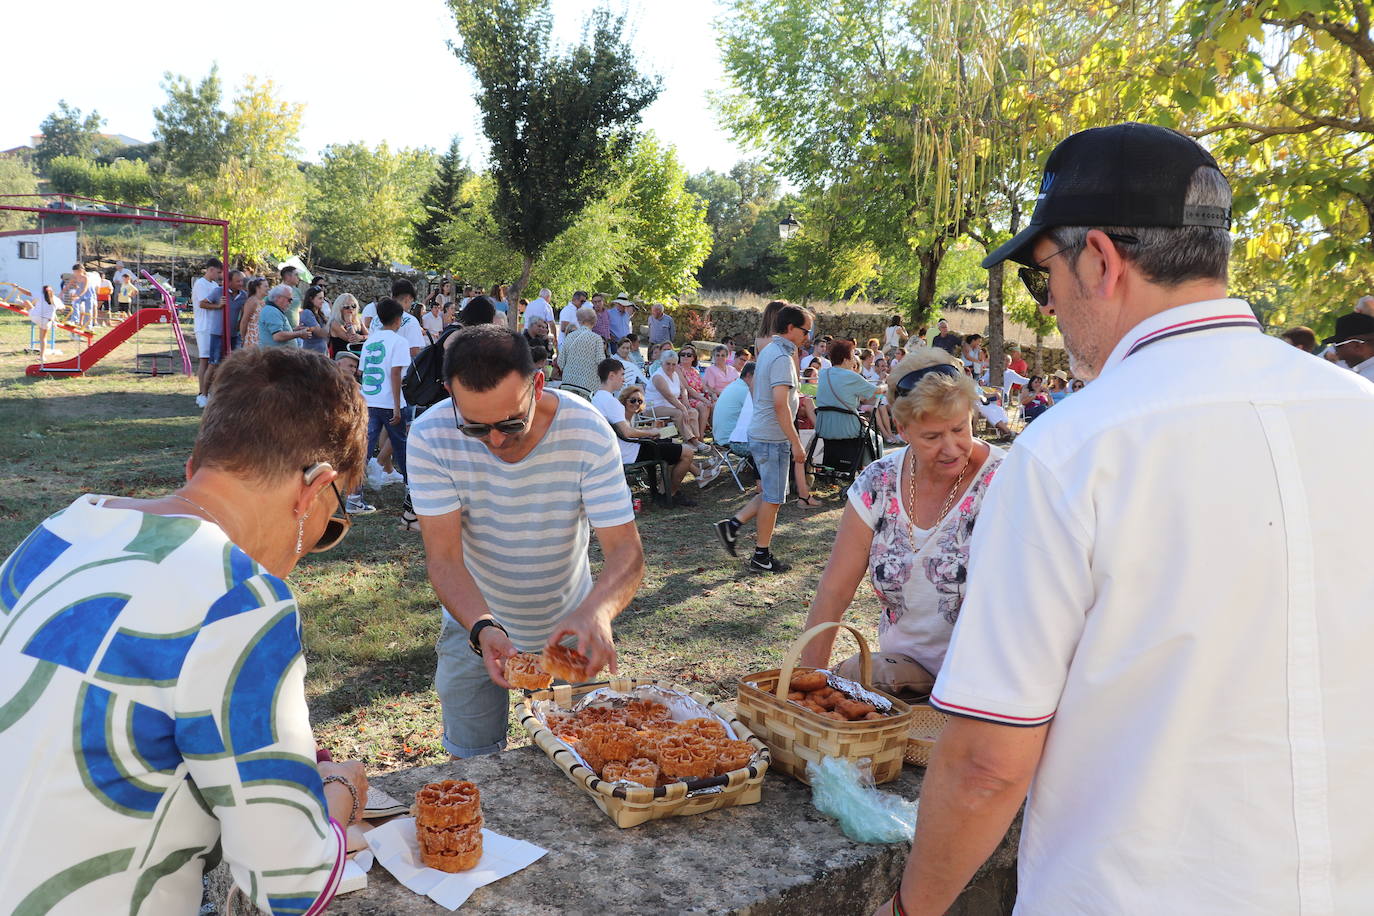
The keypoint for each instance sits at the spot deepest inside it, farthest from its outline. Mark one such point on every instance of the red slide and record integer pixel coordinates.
(106, 344)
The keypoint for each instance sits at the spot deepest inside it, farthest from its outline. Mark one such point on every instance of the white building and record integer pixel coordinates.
(31, 258)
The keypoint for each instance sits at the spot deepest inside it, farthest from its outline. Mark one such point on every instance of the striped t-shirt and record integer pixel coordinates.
(525, 524)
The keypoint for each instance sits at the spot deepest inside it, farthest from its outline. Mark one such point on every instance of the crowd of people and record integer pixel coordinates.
(1101, 609)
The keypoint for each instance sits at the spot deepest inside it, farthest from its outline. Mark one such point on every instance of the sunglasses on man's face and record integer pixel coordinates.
(1036, 278)
(510, 427)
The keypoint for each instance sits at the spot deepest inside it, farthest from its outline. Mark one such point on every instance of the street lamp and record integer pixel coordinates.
(788, 228)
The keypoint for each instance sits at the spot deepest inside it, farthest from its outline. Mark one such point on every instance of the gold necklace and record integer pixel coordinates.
(949, 500)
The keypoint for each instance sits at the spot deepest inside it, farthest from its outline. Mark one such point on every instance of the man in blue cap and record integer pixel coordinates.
(1165, 632)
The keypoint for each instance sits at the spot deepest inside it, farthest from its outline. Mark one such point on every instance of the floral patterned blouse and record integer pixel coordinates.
(918, 576)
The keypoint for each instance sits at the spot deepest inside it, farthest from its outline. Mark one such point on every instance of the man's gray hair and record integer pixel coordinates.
(277, 291)
(545, 293)
(1169, 255)
(1365, 305)
(586, 315)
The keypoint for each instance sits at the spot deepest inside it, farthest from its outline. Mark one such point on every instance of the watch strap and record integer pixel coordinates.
(473, 642)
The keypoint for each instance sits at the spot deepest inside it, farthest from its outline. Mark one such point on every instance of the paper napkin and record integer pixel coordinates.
(398, 851)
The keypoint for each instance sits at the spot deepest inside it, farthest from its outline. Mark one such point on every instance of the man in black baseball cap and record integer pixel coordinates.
(1354, 343)
(1139, 217)
(1150, 552)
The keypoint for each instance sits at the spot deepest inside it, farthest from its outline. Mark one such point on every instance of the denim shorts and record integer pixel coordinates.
(774, 461)
(215, 350)
(476, 711)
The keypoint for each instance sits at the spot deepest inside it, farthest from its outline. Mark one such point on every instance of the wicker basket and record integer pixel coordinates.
(628, 806)
(798, 736)
(926, 724)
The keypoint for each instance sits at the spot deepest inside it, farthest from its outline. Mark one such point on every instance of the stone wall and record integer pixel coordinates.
(368, 287)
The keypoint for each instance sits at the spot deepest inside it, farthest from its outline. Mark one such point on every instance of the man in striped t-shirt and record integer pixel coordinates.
(505, 477)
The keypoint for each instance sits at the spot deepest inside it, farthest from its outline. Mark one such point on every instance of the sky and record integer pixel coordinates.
(384, 74)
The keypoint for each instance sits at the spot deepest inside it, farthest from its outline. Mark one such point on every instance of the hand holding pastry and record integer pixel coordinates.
(496, 648)
(593, 632)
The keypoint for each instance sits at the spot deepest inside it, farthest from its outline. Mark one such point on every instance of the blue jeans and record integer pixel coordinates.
(476, 711)
(774, 461)
(379, 418)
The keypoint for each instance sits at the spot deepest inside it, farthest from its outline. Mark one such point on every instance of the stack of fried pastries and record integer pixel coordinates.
(448, 824)
(811, 690)
(640, 743)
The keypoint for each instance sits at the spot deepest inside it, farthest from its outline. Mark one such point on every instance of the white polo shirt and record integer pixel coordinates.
(1173, 566)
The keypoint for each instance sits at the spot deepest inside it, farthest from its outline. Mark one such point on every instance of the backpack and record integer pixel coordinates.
(423, 382)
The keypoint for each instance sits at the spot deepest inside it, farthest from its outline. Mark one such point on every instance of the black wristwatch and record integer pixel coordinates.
(477, 629)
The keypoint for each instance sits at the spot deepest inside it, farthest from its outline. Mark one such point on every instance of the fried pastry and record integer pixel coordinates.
(609, 742)
(643, 771)
(639, 713)
(613, 771)
(595, 715)
(854, 709)
(524, 672)
(565, 663)
(686, 759)
(450, 803)
(732, 755)
(706, 728)
(806, 681)
(450, 840)
(462, 861)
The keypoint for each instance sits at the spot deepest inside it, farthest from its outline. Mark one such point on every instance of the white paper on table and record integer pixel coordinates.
(355, 872)
(398, 850)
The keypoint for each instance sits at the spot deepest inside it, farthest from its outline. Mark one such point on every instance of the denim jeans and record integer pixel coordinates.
(774, 461)
(379, 418)
(476, 711)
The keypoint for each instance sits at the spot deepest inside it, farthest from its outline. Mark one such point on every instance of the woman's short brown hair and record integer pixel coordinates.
(274, 411)
(935, 395)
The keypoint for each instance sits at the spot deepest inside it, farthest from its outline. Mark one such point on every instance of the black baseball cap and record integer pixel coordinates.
(1125, 175)
(1355, 326)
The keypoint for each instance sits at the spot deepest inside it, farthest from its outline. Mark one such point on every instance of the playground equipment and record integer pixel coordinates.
(17, 299)
(147, 317)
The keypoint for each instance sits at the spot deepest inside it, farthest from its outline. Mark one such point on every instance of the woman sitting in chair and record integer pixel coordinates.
(907, 526)
(637, 444)
(842, 386)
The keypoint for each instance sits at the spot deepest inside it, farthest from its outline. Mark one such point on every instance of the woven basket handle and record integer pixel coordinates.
(794, 652)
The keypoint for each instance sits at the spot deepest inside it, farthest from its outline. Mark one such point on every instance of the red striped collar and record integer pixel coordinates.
(1193, 318)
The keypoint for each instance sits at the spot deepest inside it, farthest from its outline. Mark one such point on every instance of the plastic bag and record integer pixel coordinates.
(846, 792)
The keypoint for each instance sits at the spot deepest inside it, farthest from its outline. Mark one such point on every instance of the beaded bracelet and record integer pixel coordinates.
(897, 909)
(352, 791)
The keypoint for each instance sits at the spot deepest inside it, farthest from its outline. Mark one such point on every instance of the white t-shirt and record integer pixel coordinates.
(654, 398)
(823, 363)
(384, 351)
(204, 319)
(368, 315)
(540, 308)
(614, 412)
(567, 316)
(410, 331)
(891, 337)
(1172, 565)
(432, 323)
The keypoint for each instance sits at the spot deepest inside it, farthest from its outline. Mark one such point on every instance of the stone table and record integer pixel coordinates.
(780, 856)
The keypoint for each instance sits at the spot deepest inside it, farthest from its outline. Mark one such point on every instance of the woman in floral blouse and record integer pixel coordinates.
(908, 524)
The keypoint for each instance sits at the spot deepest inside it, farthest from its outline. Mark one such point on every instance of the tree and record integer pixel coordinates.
(191, 126)
(259, 188)
(121, 181)
(16, 177)
(743, 209)
(557, 122)
(439, 206)
(362, 202)
(666, 223)
(67, 132)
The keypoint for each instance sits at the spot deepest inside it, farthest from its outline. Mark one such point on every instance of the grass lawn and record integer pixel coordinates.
(370, 616)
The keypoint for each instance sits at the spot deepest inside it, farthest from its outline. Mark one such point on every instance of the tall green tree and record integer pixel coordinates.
(557, 121)
(122, 181)
(440, 205)
(192, 128)
(362, 202)
(67, 132)
(259, 188)
(666, 222)
(743, 207)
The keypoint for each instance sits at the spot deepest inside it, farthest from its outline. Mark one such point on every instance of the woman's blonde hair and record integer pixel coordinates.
(628, 390)
(935, 395)
(345, 300)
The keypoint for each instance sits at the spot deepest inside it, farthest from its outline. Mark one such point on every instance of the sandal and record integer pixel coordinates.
(809, 502)
(409, 521)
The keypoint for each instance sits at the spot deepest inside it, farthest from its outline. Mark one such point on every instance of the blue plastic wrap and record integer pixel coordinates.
(844, 791)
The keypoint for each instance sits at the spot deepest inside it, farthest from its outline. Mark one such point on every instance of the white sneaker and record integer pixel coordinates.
(356, 505)
(376, 477)
(394, 476)
(201, 400)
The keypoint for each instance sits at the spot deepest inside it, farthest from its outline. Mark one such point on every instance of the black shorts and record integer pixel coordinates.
(659, 450)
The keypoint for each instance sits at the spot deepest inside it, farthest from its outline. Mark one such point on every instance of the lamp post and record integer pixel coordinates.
(788, 228)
